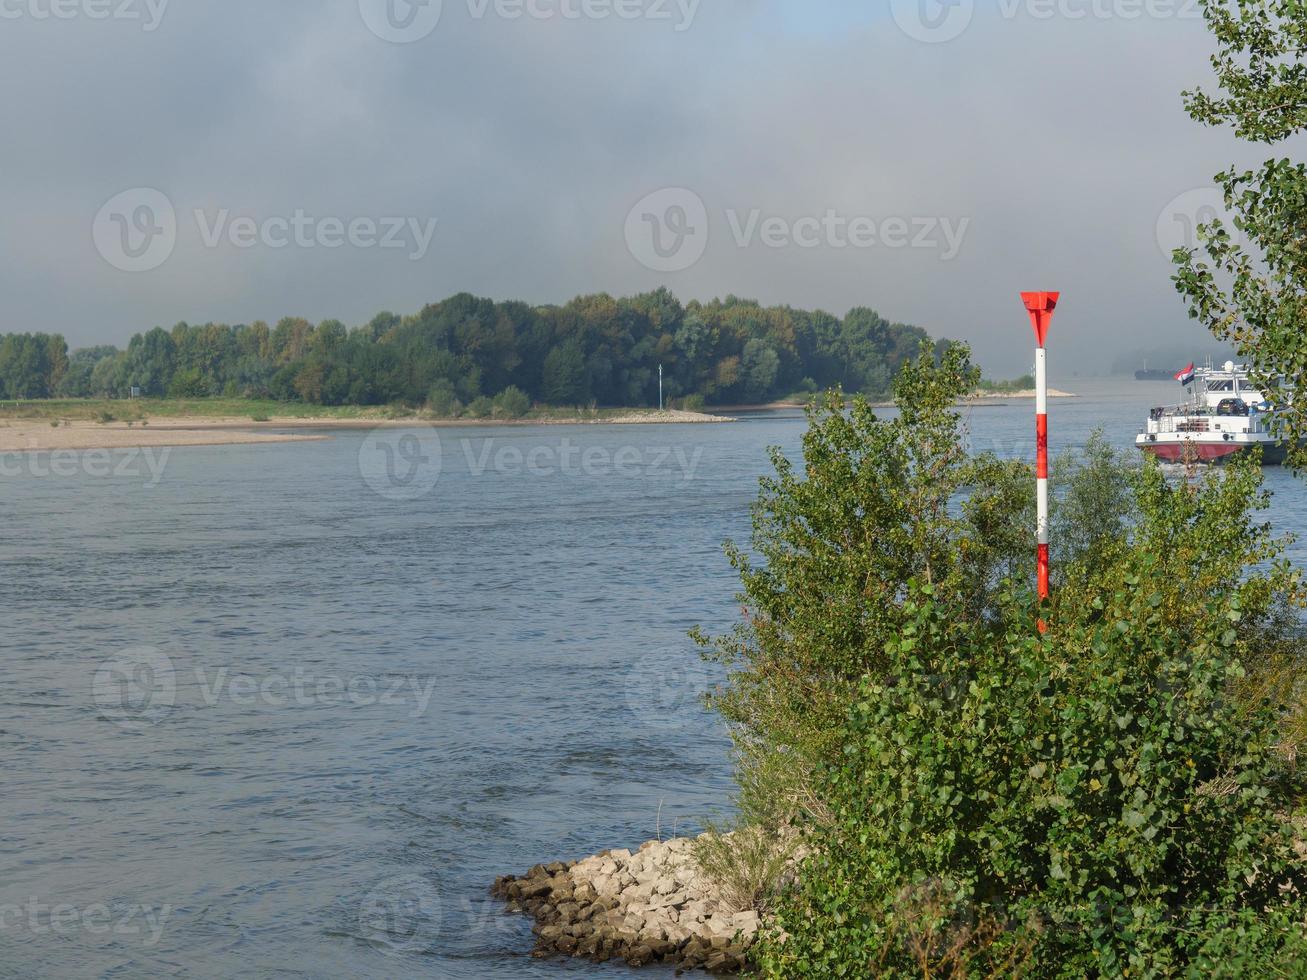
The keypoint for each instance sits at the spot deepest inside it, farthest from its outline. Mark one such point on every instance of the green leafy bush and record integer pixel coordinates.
(1096, 801)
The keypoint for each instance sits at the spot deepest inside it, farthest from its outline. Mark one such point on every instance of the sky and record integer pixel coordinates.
(237, 160)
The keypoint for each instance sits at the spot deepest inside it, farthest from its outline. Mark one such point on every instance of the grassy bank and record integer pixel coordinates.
(108, 410)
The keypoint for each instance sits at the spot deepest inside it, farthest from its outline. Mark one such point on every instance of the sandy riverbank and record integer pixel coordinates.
(308, 425)
(29, 435)
(24, 436)
(1028, 393)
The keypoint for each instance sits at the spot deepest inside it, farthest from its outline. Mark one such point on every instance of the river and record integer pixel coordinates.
(272, 712)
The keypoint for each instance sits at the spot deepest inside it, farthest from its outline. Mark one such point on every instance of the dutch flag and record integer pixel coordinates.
(1186, 376)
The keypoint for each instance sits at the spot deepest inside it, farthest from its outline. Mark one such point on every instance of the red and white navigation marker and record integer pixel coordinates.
(1040, 306)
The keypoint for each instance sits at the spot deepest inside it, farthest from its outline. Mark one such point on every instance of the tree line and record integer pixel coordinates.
(595, 349)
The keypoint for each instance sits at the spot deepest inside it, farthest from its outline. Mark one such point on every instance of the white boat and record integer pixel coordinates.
(1225, 413)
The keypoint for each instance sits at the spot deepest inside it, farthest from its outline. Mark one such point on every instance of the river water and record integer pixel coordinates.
(287, 710)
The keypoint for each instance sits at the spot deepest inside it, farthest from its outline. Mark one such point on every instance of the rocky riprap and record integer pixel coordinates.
(653, 906)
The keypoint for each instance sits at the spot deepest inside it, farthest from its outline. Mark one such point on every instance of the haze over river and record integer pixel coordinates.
(278, 713)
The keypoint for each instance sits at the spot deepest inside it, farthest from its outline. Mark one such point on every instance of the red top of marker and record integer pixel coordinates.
(1041, 307)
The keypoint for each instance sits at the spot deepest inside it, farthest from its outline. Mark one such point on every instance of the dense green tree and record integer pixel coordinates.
(151, 361)
(594, 348)
(564, 378)
(1248, 283)
(759, 366)
(31, 365)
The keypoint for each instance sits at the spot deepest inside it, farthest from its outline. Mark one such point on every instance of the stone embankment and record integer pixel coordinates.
(653, 906)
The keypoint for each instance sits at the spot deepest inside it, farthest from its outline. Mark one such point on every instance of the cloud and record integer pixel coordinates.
(1061, 141)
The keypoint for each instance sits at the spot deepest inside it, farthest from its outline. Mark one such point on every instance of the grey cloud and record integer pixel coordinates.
(530, 140)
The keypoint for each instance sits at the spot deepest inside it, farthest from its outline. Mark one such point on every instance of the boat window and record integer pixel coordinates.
(1220, 386)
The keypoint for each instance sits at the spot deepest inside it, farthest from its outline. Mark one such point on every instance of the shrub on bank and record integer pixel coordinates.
(481, 408)
(978, 799)
(511, 403)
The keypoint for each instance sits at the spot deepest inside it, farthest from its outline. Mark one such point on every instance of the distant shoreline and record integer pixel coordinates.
(979, 396)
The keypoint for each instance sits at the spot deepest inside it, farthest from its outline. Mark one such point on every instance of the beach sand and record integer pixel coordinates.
(1029, 393)
(31, 435)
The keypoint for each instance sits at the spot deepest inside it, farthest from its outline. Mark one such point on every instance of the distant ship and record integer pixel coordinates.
(1152, 374)
(1225, 413)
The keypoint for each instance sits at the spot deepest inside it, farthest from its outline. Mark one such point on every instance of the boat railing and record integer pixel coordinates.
(1202, 422)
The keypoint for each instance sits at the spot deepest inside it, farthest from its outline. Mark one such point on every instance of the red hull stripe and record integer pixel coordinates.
(1177, 452)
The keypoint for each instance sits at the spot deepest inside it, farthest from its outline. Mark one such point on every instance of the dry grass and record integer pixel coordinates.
(749, 865)
(940, 944)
